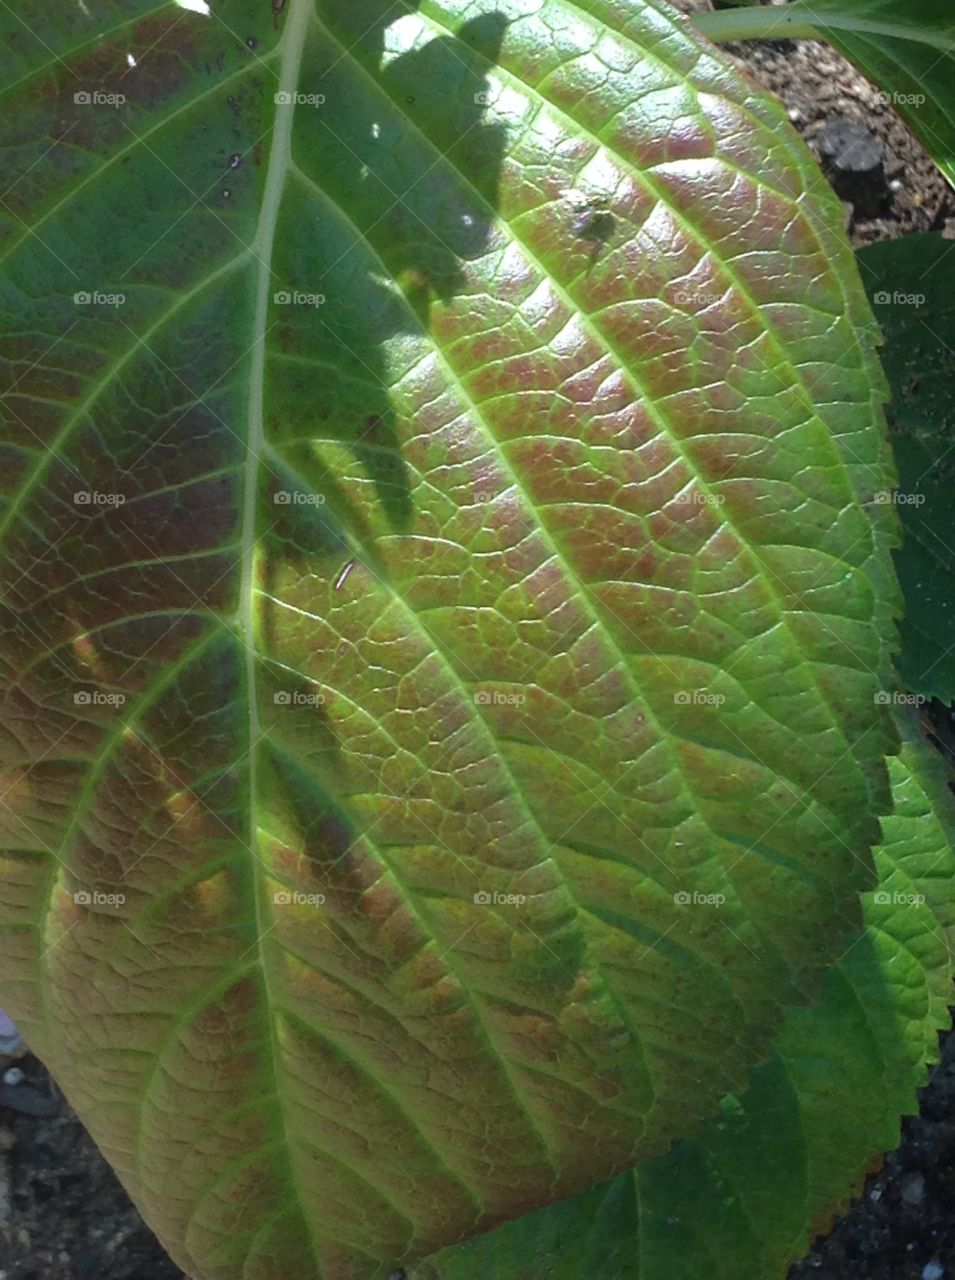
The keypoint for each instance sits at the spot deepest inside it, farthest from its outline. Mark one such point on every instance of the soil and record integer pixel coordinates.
(901, 1227)
(819, 88)
(64, 1216)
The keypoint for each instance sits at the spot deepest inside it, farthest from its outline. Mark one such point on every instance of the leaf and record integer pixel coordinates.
(746, 1196)
(442, 633)
(906, 47)
(912, 284)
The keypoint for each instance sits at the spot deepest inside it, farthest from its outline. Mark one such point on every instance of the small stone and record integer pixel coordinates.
(10, 1041)
(795, 115)
(27, 1101)
(875, 1193)
(933, 1271)
(852, 157)
(913, 1189)
(850, 147)
(13, 1077)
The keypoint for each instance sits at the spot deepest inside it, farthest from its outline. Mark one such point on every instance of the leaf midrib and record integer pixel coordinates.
(292, 47)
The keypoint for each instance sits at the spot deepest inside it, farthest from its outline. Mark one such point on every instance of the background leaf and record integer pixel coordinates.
(912, 284)
(441, 628)
(906, 47)
(745, 1197)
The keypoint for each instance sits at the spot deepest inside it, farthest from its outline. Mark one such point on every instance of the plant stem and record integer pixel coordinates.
(749, 23)
(773, 22)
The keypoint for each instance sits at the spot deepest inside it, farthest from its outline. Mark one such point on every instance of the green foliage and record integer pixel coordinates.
(445, 615)
(907, 47)
(745, 1196)
(912, 285)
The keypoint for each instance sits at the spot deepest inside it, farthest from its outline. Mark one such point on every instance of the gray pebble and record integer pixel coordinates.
(10, 1042)
(913, 1188)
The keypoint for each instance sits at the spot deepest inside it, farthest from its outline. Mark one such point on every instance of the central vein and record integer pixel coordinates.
(280, 159)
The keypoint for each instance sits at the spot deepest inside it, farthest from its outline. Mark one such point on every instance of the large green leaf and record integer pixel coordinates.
(442, 632)
(907, 47)
(912, 284)
(745, 1197)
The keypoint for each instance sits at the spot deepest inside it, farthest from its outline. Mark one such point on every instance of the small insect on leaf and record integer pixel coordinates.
(592, 220)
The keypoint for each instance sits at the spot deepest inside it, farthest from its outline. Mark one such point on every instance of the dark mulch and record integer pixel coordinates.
(63, 1215)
